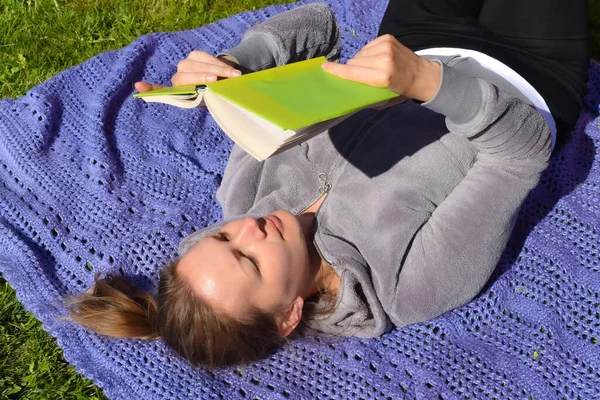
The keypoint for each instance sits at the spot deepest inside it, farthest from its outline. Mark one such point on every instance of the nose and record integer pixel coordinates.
(251, 228)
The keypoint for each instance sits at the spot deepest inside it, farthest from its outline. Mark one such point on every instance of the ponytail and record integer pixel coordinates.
(114, 307)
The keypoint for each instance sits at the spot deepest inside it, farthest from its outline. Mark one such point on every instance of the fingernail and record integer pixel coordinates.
(235, 72)
(211, 78)
(325, 65)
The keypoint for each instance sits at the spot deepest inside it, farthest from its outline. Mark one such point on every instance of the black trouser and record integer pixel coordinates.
(545, 41)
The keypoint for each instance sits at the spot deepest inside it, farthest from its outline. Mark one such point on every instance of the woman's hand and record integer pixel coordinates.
(199, 67)
(385, 62)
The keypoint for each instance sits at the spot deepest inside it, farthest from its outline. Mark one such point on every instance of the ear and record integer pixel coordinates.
(291, 318)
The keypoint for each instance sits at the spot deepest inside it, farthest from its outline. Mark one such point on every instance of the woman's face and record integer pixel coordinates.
(262, 263)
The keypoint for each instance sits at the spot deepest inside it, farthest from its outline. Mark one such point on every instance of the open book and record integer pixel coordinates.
(269, 111)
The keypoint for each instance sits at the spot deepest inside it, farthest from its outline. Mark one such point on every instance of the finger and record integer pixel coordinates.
(146, 87)
(222, 70)
(384, 44)
(381, 39)
(381, 48)
(357, 73)
(202, 56)
(189, 78)
(366, 61)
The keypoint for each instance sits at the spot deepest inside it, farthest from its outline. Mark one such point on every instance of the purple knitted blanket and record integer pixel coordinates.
(93, 180)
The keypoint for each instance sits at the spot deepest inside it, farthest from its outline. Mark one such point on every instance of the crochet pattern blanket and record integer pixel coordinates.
(93, 180)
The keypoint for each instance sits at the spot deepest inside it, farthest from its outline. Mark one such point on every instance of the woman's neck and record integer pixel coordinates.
(324, 276)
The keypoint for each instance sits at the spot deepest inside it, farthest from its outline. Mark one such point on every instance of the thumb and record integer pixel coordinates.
(146, 87)
(334, 68)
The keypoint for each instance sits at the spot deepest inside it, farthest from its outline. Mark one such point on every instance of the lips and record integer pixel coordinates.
(276, 222)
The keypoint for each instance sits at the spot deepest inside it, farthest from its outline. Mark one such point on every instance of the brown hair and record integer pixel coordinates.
(183, 320)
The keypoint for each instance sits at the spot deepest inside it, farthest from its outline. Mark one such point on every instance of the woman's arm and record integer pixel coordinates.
(454, 253)
(305, 32)
(302, 33)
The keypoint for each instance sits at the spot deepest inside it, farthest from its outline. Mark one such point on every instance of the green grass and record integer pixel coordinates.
(31, 362)
(38, 39)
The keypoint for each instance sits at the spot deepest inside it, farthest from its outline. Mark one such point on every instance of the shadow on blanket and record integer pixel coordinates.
(94, 181)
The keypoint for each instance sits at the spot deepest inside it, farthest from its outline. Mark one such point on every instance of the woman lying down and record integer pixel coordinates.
(393, 217)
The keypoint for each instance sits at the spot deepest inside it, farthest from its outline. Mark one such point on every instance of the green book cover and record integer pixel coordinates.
(297, 95)
(292, 96)
(174, 90)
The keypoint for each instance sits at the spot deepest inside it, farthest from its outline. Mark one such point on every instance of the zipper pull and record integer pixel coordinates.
(324, 187)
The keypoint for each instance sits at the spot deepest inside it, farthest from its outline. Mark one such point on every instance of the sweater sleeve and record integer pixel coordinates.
(454, 253)
(302, 33)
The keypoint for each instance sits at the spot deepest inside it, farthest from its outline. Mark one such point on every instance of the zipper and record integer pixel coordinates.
(324, 186)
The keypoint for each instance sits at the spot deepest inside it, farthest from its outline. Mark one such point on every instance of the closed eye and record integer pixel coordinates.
(253, 261)
(221, 236)
(224, 237)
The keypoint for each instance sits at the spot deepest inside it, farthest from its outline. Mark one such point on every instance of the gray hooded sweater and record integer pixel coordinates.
(422, 197)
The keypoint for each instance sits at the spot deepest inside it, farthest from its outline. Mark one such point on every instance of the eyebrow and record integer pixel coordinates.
(238, 256)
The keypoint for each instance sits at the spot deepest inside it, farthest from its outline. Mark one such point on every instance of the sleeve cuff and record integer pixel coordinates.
(256, 51)
(459, 97)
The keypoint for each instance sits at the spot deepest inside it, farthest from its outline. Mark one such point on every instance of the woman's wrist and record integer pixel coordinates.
(428, 76)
